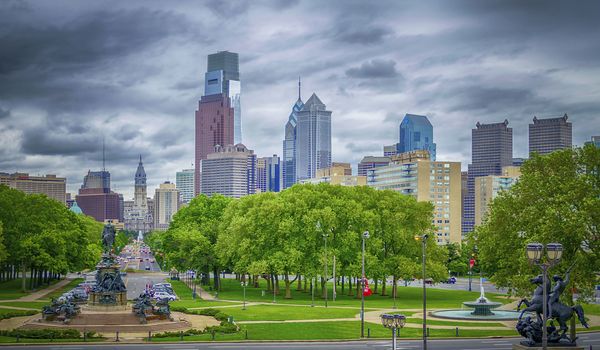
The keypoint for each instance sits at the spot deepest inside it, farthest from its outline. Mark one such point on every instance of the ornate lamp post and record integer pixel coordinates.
(394, 322)
(244, 285)
(535, 252)
(423, 239)
(325, 267)
(362, 290)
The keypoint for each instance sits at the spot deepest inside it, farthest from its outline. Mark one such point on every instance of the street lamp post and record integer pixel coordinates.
(535, 252)
(362, 291)
(423, 239)
(325, 267)
(394, 322)
(244, 285)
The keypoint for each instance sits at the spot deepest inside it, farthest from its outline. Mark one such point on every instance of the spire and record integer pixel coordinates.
(299, 88)
(103, 156)
(140, 159)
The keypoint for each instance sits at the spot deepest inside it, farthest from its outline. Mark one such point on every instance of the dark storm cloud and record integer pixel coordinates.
(348, 33)
(374, 69)
(42, 141)
(4, 113)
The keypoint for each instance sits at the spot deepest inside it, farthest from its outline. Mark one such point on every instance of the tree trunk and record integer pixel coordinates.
(299, 286)
(383, 283)
(305, 284)
(323, 289)
(358, 286)
(24, 278)
(288, 290)
(216, 279)
(349, 286)
(394, 286)
(376, 291)
(342, 284)
(268, 278)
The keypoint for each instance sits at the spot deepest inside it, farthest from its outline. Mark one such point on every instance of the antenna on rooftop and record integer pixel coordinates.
(103, 156)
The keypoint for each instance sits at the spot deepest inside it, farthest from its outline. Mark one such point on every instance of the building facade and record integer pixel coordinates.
(435, 181)
(416, 133)
(230, 171)
(218, 118)
(370, 162)
(594, 141)
(491, 150)
(488, 187)
(337, 174)
(550, 134)
(100, 203)
(288, 168)
(313, 138)
(268, 174)
(137, 216)
(96, 179)
(184, 181)
(166, 204)
(50, 185)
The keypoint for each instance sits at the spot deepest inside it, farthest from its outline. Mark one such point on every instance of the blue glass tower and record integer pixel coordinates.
(288, 168)
(416, 133)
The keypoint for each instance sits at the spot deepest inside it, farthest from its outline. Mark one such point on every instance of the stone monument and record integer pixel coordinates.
(109, 291)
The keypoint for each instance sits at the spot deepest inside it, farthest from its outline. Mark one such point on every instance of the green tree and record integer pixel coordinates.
(555, 200)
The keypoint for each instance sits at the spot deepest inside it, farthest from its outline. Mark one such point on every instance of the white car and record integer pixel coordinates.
(163, 295)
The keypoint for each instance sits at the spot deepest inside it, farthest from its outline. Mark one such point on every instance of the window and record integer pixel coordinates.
(213, 81)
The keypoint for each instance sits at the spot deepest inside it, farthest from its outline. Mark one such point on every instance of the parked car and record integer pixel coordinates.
(451, 280)
(147, 268)
(163, 295)
(429, 281)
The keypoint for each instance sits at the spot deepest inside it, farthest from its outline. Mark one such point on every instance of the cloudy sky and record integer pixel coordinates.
(73, 72)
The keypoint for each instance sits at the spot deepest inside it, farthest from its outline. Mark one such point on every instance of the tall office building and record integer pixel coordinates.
(230, 171)
(434, 181)
(594, 141)
(491, 150)
(488, 187)
(137, 216)
(313, 138)
(416, 133)
(550, 134)
(218, 118)
(370, 162)
(166, 204)
(288, 169)
(268, 174)
(96, 179)
(184, 181)
(50, 185)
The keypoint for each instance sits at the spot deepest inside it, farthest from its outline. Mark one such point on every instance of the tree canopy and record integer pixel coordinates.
(557, 199)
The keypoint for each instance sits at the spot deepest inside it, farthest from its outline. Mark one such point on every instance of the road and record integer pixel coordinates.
(138, 257)
(586, 340)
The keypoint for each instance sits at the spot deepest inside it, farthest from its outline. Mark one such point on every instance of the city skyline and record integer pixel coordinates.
(459, 65)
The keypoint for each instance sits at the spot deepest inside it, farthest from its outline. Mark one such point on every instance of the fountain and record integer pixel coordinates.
(482, 310)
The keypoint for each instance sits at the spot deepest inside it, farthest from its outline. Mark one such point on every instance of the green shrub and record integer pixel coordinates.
(17, 313)
(42, 333)
(180, 309)
(224, 327)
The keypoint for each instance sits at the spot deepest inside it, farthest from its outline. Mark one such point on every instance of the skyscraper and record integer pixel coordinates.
(184, 181)
(550, 134)
(491, 150)
(139, 198)
(416, 133)
(97, 200)
(594, 141)
(288, 172)
(313, 138)
(268, 172)
(96, 179)
(229, 170)
(370, 162)
(218, 118)
(50, 185)
(166, 204)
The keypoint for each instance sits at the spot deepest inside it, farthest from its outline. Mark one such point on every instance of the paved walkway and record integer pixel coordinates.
(42, 292)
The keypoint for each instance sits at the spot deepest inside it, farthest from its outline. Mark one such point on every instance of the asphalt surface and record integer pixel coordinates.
(585, 340)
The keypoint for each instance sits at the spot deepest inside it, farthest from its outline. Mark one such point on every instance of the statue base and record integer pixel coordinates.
(103, 300)
(553, 346)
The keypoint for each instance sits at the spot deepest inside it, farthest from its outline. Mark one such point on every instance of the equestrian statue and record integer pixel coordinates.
(556, 311)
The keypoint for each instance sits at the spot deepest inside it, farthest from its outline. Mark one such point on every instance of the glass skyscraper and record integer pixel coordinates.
(288, 170)
(313, 138)
(416, 133)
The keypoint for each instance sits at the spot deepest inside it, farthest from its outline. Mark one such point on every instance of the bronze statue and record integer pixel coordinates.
(108, 238)
(556, 311)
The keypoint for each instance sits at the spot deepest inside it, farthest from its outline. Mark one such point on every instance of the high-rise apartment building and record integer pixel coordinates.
(435, 181)
(218, 118)
(411, 156)
(550, 134)
(268, 174)
(166, 204)
(288, 169)
(416, 133)
(491, 150)
(137, 216)
(230, 171)
(184, 181)
(370, 162)
(313, 138)
(488, 187)
(50, 185)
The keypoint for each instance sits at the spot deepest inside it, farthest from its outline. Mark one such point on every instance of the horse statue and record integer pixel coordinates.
(108, 238)
(559, 311)
(537, 301)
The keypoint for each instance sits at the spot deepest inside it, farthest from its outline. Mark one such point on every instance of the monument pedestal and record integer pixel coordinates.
(550, 347)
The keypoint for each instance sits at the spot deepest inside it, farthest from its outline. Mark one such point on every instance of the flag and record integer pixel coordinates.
(366, 291)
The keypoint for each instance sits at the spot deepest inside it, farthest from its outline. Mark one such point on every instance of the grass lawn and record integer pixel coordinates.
(12, 289)
(28, 304)
(282, 313)
(591, 309)
(57, 293)
(199, 303)
(331, 330)
(408, 297)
